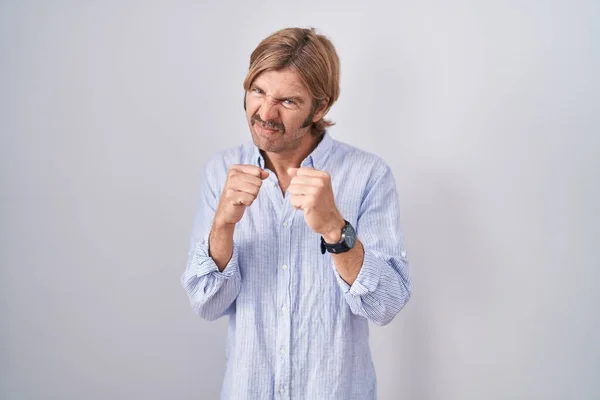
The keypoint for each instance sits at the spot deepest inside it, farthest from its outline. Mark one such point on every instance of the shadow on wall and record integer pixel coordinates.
(432, 349)
(453, 298)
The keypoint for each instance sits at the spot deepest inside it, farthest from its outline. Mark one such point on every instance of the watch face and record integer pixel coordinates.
(349, 236)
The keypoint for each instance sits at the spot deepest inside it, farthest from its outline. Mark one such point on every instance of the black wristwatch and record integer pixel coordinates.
(346, 242)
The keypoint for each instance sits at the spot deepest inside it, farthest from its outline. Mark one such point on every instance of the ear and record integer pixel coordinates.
(321, 110)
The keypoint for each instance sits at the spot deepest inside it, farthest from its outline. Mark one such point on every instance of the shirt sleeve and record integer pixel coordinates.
(211, 292)
(383, 285)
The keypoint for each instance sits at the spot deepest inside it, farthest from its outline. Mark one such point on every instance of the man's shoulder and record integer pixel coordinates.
(223, 159)
(359, 158)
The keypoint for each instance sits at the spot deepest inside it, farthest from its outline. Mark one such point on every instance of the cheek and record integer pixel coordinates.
(251, 107)
(294, 120)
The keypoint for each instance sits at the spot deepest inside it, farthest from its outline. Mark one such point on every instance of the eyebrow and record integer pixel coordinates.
(296, 99)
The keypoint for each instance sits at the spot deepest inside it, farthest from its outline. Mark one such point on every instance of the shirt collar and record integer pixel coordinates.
(316, 159)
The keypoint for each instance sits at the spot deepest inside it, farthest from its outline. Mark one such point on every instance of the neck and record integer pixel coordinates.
(281, 161)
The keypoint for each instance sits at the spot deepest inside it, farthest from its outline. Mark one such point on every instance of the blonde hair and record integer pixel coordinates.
(311, 55)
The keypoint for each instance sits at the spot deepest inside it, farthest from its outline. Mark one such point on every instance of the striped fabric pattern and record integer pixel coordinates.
(297, 330)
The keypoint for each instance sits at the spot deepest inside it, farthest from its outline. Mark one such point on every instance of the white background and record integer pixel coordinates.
(487, 112)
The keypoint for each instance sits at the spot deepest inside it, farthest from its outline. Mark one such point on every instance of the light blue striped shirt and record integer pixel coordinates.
(296, 329)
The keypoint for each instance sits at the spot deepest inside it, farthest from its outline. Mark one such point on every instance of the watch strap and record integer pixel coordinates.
(335, 248)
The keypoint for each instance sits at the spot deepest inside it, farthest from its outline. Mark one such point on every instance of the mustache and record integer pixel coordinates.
(268, 124)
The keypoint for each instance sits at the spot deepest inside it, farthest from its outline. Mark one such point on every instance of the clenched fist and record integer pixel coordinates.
(311, 192)
(241, 188)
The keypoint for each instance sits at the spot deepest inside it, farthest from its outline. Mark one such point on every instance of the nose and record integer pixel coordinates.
(268, 110)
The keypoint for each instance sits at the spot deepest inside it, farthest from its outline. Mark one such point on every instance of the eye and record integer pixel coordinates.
(289, 103)
(257, 90)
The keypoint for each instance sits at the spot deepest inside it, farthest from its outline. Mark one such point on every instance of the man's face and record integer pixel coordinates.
(279, 110)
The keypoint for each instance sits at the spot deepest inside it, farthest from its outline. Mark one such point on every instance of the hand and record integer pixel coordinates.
(240, 191)
(311, 191)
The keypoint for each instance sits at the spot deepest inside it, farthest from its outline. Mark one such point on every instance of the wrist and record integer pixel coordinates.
(220, 244)
(333, 234)
(222, 227)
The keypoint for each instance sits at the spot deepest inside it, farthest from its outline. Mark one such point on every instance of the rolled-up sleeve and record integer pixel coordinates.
(383, 285)
(211, 292)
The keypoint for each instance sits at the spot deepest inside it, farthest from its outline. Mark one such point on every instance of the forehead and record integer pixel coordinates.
(282, 83)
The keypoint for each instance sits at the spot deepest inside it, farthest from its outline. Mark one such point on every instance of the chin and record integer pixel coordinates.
(271, 143)
(264, 144)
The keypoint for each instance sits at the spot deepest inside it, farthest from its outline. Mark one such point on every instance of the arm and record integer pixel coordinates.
(212, 278)
(374, 275)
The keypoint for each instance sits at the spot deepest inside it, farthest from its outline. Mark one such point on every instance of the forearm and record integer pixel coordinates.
(348, 264)
(221, 244)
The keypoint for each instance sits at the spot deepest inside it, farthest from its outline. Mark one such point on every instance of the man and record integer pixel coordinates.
(297, 237)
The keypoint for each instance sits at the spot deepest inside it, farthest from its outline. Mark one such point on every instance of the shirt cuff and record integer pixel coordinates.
(367, 279)
(203, 264)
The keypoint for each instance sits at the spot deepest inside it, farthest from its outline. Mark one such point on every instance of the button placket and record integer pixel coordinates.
(283, 351)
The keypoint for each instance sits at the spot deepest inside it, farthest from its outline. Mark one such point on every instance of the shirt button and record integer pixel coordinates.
(274, 184)
(284, 309)
(403, 253)
(282, 351)
(285, 224)
(284, 267)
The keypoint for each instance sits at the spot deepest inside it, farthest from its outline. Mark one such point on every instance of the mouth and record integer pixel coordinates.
(264, 130)
(268, 127)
